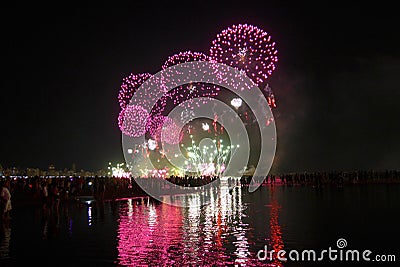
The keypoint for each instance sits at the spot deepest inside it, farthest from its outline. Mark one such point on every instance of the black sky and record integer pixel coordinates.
(336, 79)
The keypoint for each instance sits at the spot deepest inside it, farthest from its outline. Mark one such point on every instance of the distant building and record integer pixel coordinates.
(84, 173)
(101, 173)
(52, 171)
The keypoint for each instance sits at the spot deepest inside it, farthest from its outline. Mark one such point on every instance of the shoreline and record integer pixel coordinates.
(25, 198)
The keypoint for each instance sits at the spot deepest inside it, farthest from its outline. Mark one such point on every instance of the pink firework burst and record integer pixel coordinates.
(129, 86)
(183, 57)
(132, 120)
(247, 48)
(172, 133)
(184, 92)
(154, 125)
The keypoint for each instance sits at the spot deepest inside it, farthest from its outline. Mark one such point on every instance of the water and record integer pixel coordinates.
(144, 232)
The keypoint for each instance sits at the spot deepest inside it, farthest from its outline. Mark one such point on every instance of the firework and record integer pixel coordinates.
(247, 48)
(270, 96)
(159, 125)
(152, 144)
(187, 115)
(205, 126)
(132, 120)
(129, 86)
(160, 106)
(154, 125)
(236, 102)
(186, 92)
(171, 132)
(208, 159)
(183, 57)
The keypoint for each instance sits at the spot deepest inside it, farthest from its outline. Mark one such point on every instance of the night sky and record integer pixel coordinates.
(335, 83)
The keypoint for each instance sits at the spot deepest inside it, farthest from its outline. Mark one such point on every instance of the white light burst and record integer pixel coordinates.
(236, 102)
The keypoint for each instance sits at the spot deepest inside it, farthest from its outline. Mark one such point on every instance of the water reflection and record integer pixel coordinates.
(218, 234)
(149, 233)
(89, 215)
(50, 222)
(276, 241)
(5, 236)
(229, 231)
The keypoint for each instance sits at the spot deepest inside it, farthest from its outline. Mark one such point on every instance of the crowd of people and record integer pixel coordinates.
(189, 180)
(50, 191)
(335, 177)
(5, 200)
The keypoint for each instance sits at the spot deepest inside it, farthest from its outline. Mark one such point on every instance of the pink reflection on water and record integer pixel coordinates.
(276, 242)
(217, 234)
(149, 233)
